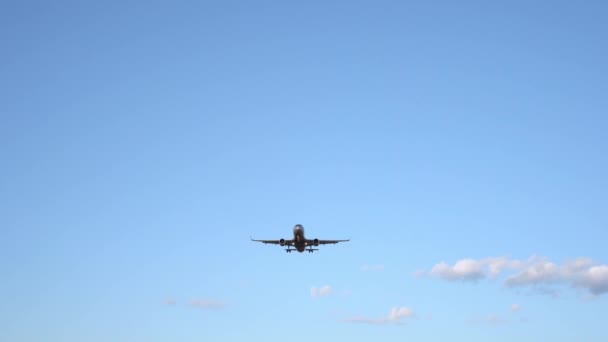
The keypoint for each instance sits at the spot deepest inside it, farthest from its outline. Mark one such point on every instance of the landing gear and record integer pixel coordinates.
(288, 250)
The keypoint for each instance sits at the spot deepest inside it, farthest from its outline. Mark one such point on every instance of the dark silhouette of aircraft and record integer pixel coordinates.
(299, 242)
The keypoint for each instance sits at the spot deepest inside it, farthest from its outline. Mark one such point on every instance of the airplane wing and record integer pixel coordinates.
(275, 242)
(325, 242)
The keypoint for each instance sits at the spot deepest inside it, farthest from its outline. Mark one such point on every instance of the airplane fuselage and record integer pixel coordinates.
(299, 241)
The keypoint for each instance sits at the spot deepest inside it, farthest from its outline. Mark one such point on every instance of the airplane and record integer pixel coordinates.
(299, 242)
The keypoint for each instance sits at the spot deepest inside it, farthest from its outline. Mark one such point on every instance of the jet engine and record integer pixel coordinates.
(315, 242)
(282, 242)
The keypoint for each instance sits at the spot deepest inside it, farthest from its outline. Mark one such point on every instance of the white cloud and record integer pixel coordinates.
(577, 265)
(397, 315)
(536, 271)
(595, 279)
(465, 269)
(170, 301)
(323, 291)
(206, 303)
(515, 307)
(372, 268)
(580, 272)
(471, 269)
(497, 265)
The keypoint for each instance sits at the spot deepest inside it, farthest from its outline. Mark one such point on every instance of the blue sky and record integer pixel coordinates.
(461, 146)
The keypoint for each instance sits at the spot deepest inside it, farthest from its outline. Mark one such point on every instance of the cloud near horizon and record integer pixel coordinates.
(323, 291)
(535, 271)
(397, 315)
